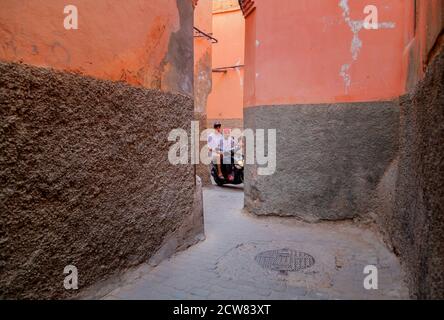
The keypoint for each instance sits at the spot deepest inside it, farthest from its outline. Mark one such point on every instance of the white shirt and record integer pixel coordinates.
(215, 141)
(228, 144)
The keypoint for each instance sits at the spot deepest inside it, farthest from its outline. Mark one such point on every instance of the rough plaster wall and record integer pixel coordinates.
(413, 219)
(85, 178)
(330, 159)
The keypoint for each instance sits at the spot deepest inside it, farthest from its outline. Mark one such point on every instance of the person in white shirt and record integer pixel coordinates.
(228, 144)
(215, 146)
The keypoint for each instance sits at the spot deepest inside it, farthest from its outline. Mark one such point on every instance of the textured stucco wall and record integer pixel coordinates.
(85, 178)
(412, 217)
(330, 158)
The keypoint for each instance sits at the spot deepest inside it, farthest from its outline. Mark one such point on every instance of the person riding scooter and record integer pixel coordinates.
(227, 165)
(215, 146)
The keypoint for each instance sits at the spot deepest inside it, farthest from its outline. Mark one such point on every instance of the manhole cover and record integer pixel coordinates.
(284, 260)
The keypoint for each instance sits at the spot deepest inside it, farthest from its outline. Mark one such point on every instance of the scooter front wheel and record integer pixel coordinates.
(219, 183)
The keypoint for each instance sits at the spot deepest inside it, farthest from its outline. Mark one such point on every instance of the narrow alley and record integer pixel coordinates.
(221, 150)
(224, 265)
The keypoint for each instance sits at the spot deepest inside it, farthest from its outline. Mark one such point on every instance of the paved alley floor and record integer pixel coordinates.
(248, 257)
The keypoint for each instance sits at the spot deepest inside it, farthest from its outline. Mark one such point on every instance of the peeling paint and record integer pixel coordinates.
(345, 75)
(239, 74)
(345, 8)
(203, 80)
(356, 44)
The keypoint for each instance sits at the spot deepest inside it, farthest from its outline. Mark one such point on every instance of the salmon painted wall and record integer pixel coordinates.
(429, 26)
(131, 41)
(226, 99)
(316, 51)
(427, 33)
(203, 20)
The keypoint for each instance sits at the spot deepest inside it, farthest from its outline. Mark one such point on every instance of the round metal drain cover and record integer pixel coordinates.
(284, 260)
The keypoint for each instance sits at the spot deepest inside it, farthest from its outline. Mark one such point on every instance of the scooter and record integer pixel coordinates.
(232, 168)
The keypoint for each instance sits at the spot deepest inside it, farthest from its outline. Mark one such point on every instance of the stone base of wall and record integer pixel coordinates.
(190, 232)
(85, 179)
(330, 159)
(411, 197)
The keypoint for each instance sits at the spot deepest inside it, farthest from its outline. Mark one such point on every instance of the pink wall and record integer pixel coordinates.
(425, 35)
(203, 20)
(116, 40)
(226, 98)
(306, 51)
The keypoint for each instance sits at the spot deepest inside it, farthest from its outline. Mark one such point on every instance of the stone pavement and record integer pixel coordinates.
(225, 265)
